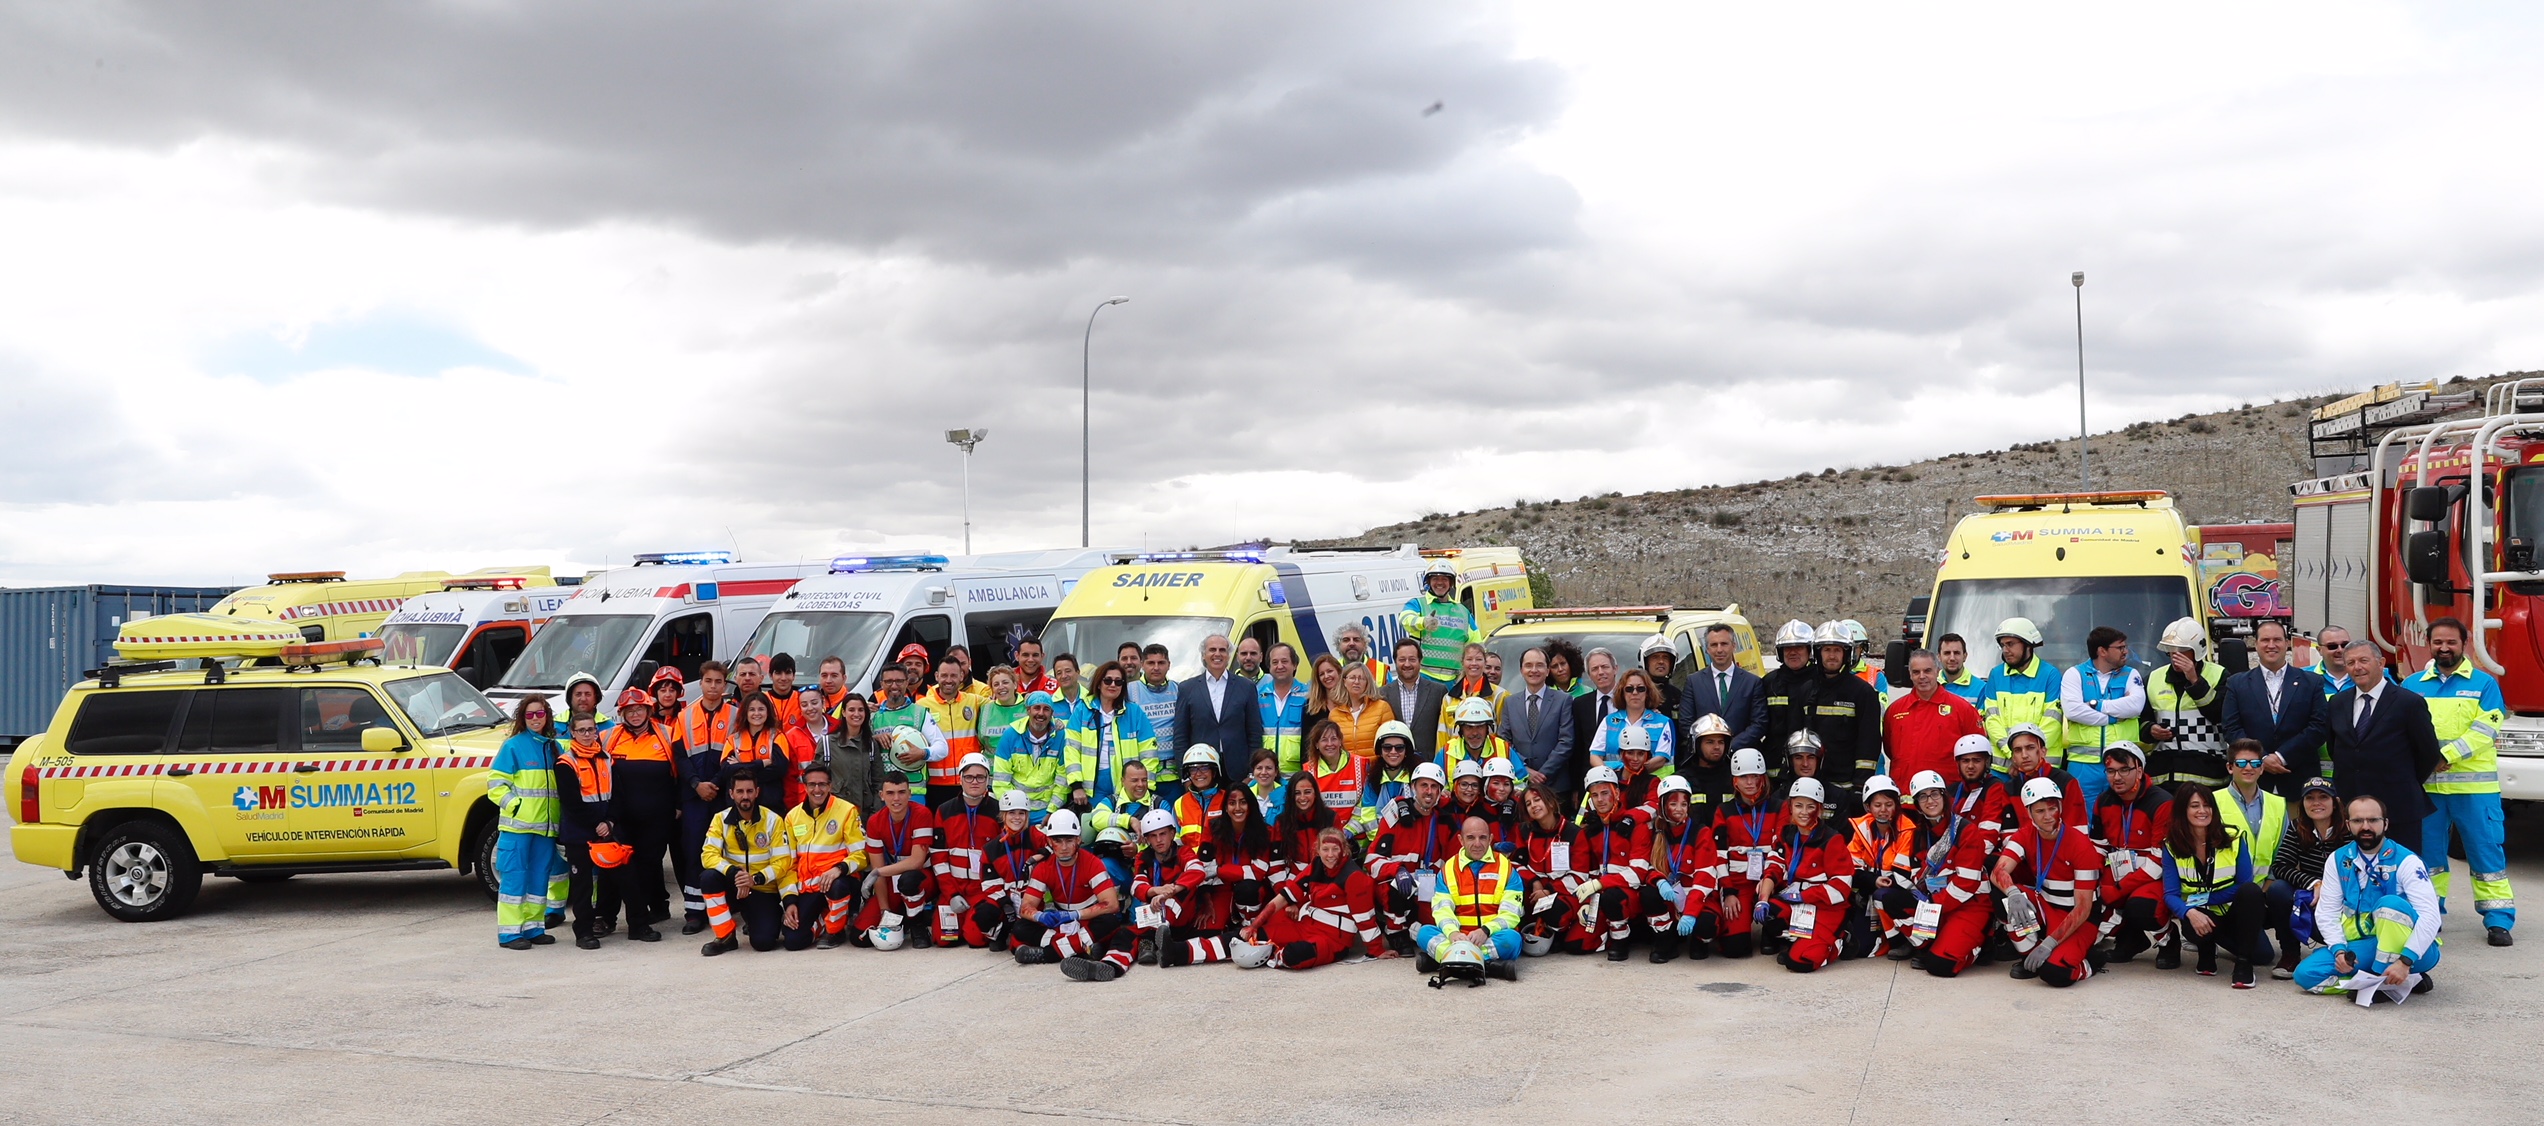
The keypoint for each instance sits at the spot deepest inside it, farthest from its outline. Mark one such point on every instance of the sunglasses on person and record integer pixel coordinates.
(2251, 762)
(535, 713)
(1635, 689)
(1113, 681)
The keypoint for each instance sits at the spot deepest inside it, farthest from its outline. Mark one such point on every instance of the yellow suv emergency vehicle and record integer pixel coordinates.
(326, 606)
(1622, 630)
(274, 756)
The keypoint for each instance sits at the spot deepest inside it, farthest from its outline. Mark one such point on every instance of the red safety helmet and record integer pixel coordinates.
(634, 696)
(667, 672)
(913, 649)
(611, 854)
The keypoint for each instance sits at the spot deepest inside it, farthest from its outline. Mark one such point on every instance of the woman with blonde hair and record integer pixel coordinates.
(1359, 713)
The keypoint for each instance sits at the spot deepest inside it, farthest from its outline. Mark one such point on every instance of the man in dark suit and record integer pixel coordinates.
(2283, 708)
(1725, 689)
(1537, 721)
(1219, 708)
(2382, 742)
(1589, 716)
(1416, 698)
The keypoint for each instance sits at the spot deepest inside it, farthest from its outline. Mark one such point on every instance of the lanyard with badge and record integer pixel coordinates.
(1804, 917)
(1756, 868)
(1068, 874)
(900, 835)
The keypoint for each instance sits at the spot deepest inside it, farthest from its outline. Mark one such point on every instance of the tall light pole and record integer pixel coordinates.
(1086, 428)
(2084, 468)
(967, 439)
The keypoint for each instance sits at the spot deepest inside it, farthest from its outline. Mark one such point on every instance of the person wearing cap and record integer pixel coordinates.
(522, 784)
(1618, 840)
(647, 787)
(2130, 822)
(1475, 739)
(746, 867)
(896, 710)
(2315, 829)
(1708, 767)
(957, 712)
(2377, 908)
(1006, 865)
(1887, 842)
(964, 827)
(595, 851)
(2050, 874)
(1678, 903)
(1321, 911)
(2208, 884)
(1810, 880)
(2028, 752)
(1071, 911)
(1413, 837)
(1953, 912)
(1436, 621)
(1476, 900)
(2022, 688)
(1745, 833)
(1167, 901)
(2282, 706)
(1203, 800)
(1920, 727)
(1803, 760)
(900, 881)
(2100, 702)
(1638, 709)
(828, 835)
(1031, 753)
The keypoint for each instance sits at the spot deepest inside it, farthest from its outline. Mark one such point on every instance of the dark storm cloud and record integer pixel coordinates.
(1012, 133)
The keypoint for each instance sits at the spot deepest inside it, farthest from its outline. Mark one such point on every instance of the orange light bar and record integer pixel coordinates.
(2043, 500)
(306, 577)
(319, 652)
(1590, 612)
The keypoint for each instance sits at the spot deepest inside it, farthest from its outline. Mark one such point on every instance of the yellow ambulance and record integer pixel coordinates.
(2069, 562)
(326, 606)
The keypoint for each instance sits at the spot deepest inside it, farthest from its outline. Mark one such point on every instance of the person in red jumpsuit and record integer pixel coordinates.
(1955, 911)
(1678, 905)
(965, 825)
(1552, 856)
(2028, 758)
(1618, 839)
(1745, 832)
(1323, 913)
(2050, 872)
(1071, 912)
(1974, 794)
(899, 838)
(2130, 821)
(1168, 900)
(1810, 879)
(1415, 836)
(1237, 851)
(1006, 865)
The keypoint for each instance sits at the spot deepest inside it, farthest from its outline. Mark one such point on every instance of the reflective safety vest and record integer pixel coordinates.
(1476, 894)
(648, 747)
(591, 775)
(2025, 695)
(2086, 741)
(522, 784)
(1339, 786)
(758, 849)
(2264, 838)
(1126, 733)
(2465, 709)
(2200, 885)
(909, 715)
(959, 720)
(1453, 750)
(1443, 628)
(1283, 721)
(2198, 746)
(1031, 763)
(761, 750)
(701, 733)
(826, 838)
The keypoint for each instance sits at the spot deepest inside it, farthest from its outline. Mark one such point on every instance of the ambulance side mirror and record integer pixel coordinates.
(2425, 556)
(1895, 663)
(382, 740)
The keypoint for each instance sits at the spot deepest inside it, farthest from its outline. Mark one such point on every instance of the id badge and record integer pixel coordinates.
(1145, 917)
(1757, 866)
(1559, 856)
(1805, 917)
(1426, 883)
(1929, 918)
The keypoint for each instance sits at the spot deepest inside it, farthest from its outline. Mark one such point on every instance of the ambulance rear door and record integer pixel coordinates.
(1000, 611)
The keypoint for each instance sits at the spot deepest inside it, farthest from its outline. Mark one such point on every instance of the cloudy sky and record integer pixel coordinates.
(375, 287)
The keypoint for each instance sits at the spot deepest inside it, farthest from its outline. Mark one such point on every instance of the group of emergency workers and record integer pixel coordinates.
(2057, 820)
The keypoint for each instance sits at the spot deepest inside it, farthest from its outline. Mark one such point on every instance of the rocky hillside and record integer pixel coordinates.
(1861, 542)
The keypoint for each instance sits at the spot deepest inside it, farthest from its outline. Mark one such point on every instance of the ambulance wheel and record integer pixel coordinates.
(485, 850)
(144, 871)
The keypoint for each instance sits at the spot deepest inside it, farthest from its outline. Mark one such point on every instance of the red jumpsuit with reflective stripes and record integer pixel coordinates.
(1814, 870)
(1007, 862)
(963, 833)
(1336, 909)
(1620, 858)
(1683, 855)
(1744, 837)
(2131, 834)
(1186, 915)
(1967, 908)
(1414, 843)
(1550, 863)
(2073, 869)
(890, 840)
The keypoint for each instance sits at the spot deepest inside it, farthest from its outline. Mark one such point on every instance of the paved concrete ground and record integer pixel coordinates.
(353, 999)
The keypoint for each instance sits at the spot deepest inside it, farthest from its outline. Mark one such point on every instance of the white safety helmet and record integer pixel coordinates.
(1537, 945)
(2039, 790)
(1061, 823)
(2126, 748)
(908, 739)
(1808, 788)
(2032, 730)
(1794, 632)
(1469, 768)
(1430, 770)
(1203, 754)
(1708, 724)
(1831, 633)
(1634, 738)
(1437, 568)
(1597, 775)
(971, 760)
(1014, 801)
(889, 933)
(2020, 629)
(1879, 784)
(1676, 784)
(1111, 834)
(1802, 743)
(1973, 745)
(1156, 819)
(1249, 955)
(1854, 631)
(1924, 781)
(1474, 709)
(1394, 727)
(1655, 644)
(1499, 768)
(1748, 760)
(2184, 635)
(1461, 960)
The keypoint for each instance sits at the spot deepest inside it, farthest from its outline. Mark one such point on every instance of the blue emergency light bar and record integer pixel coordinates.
(1200, 557)
(856, 564)
(681, 558)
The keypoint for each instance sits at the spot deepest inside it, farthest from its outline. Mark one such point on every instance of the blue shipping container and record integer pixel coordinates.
(50, 635)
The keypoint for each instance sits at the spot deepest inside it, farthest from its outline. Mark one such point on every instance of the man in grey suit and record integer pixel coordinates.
(2383, 744)
(1416, 698)
(1219, 708)
(1725, 689)
(1537, 721)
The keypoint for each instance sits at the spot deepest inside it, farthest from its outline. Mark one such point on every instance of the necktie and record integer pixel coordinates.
(1532, 714)
(1722, 690)
(2367, 708)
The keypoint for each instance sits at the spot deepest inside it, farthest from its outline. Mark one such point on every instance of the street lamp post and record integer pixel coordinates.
(1086, 428)
(2084, 468)
(967, 439)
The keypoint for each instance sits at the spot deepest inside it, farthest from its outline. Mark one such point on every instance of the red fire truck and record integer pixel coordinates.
(2430, 506)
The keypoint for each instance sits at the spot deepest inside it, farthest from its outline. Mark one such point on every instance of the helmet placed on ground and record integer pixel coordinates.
(1437, 569)
(1469, 768)
(2183, 635)
(1655, 644)
(1062, 823)
(1808, 788)
(1748, 760)
(1500, 768)
(1708, 724)
(611, 854)
(2020, 629)
(1202, 754)
(1395, 727)
(1460, 962)
(1831, 633)
(1973, 745)
(1795, 632)
(635, 697)
(1880, 784)
(1152, 821)
(1249, 955)
(1676, 784)
(889, 933)
(1474, 709)
(1924, 781)
(1802, 743)
(1537, 945)
(1597, 775)
(1014, 801)
(1634, 738)
(2039, 790)
(1430, 770)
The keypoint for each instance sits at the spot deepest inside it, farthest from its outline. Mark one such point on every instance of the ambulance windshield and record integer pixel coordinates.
(1095, 640)
(852, 636)
(411, 644)
(443, 704)
(594, 643)
(2065, 609)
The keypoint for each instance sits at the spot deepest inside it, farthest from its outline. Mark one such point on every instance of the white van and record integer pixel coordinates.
(1272, 594)
(677, 609)
(475, 626)
(869, 606)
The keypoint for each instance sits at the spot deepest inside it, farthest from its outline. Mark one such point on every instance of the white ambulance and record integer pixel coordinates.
(475, 626)
(1272, 594)
(676, 609)
(869, 606)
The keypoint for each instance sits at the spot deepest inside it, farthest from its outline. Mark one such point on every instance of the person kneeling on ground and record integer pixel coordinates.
(828, 835)
(2049, 873)
(747, 866)
(1322, 913)
(1810, 878)
(1167, 900)
(1678, 904)
(2376, 895)
(1477, 903)
(2208, 883)
(1071, 910)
